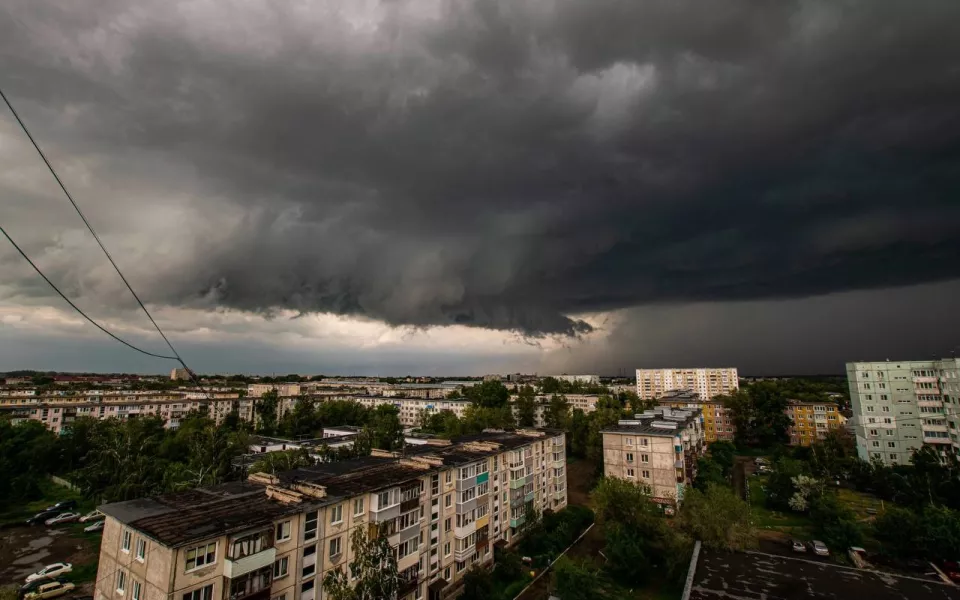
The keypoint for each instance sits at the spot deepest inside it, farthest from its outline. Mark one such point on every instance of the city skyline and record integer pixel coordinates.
(422, 187)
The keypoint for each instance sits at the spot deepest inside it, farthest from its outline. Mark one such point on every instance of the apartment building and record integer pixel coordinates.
(810, 421)
(256, 390)
(705, 382)
(717, 419)
(659, 449)
(442, 509)
(899, 406)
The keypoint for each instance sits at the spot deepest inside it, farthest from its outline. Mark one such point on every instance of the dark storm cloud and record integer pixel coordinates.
(507, 164)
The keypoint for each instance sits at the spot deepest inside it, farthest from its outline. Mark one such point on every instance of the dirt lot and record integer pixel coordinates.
(23, 550)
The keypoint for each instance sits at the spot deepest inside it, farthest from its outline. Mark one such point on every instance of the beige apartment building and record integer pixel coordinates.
(705, 382)
(658, 449)
(442, 507)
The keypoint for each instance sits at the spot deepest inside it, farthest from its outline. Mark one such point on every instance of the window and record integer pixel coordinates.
(446, 549)
(307, 586)
(449, 476)
(336, 514)
(121, 580)
(310, 526)
(646, 474)
(891, 444)
(141, 553)
(205, 554)
(876, 444)
(383, 499)
(335, 546)
(448, 500)
(629, 456)
(310, 550)
(630, 473)
(126, 541)
(136, 590)
(358, 506)
(283, 531)
(446, 573)
(446, 525)
(645, 458)
(280, 567)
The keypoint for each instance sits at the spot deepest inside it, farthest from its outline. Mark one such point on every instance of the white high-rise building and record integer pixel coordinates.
(900, 405)
(705, 382)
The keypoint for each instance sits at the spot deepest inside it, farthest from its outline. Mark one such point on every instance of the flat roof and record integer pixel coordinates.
(756, 575)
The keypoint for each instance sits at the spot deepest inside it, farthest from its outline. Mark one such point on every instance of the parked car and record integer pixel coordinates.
(41, 517)
(798, 546)
(95, 527)
(819, 548)
(759, 461)
(63, 505)
(54, 589)
(93, 515)
(51, 570)
(33, 585)
(67, 517)
(951, 568)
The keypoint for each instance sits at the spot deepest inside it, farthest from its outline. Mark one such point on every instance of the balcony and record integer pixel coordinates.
(518, 521)
(408, 585)
(252, 586)
(233, 568)
(408, 505)
(518, 483)
(465, 553)
(529, 497)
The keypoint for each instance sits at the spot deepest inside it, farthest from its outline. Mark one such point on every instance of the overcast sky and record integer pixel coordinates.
(446, 186)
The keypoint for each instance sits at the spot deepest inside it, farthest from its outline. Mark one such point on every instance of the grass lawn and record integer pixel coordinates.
(859, 502)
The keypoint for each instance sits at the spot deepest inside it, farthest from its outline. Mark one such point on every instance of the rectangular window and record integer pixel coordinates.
(204, 593)
(630, 473)
(645, 458)
(446, 525)
(448, 500)
(383, 500)
(280, 567)
(205, 554)
(283, 531)
(646, 474)
(125, 546)
(358, 506)
(310, 526)
(335, 547)
(449, 476)
(629, 456)
(446, 549)
(336, 515)
(141, 553)
(121, 580)
(136, 590)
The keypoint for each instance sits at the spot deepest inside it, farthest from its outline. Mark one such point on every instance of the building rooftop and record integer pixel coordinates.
(756, 576)
(662, 421)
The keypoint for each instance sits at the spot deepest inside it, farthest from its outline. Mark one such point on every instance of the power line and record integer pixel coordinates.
(176, 355)
(75, 307)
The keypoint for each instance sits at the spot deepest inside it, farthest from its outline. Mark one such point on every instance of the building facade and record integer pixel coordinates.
(705, 382)
(717, 418)
(898, 406)
(811, 421)
(588, 379)
(658, 449)
(275, 537)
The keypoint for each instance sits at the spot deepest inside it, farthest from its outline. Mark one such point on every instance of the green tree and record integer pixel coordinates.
(899, 531)
(709, 472)
(477, 584)
(579, 433)
(724, 453)
(758, 412)
(558, 413)
(277, 462)
(266, 411)
(834, 523)
(489, 394)
(526, 407)
(385, 429)
(575, 580)
(718, 518)
(373, 569)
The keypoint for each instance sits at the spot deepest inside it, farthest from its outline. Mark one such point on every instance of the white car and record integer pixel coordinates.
(93, 515)
(95, 527)
(67, 517)
(50, 571)
(819, 548)
(54, 589)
